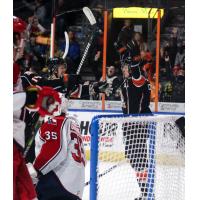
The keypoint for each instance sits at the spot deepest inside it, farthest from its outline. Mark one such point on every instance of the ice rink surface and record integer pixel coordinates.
(121, 183)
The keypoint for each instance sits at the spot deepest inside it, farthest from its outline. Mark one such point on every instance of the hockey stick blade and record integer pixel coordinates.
(66, 45)
(88, 13)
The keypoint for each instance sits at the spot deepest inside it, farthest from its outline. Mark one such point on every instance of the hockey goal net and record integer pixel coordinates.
(136, 158)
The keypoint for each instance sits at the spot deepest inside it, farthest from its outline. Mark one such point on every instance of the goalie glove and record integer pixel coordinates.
(33, 173)
(100, 87)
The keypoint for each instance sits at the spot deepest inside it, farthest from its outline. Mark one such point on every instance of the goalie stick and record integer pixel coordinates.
(35, 129)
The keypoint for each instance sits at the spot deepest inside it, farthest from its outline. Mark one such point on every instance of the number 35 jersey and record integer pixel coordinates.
(59, 148)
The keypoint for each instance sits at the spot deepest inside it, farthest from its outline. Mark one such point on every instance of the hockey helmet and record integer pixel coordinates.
(53, 64)
(19, 25)
(134, 67)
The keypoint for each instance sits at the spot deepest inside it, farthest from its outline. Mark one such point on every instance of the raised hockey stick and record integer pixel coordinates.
(88, 13)
(66, 45)
(85, 54)
(92, 20)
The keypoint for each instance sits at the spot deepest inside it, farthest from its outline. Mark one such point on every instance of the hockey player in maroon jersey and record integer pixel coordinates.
(19, 31)
(22, 184)
(46, 102)
(59, 165)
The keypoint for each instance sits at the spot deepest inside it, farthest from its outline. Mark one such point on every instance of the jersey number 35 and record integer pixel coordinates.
(78, 154)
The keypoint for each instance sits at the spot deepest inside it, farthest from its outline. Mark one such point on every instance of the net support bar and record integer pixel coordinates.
(151, 165)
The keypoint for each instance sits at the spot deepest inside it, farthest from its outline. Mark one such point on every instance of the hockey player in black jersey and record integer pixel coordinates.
(135, 90)
(55, 78)
(34, 76)
(136, 99)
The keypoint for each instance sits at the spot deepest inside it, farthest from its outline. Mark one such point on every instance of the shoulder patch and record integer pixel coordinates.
(139, 82)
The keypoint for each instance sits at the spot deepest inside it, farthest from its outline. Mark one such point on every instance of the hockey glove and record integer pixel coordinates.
(100, 87)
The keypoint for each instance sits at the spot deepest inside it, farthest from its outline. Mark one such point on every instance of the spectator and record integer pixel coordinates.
(165, 65)
(73, 55)
(140, 42)
(113, 91)
(95, 58)
(175, 71)
(38, 8)
(34, 26)
(180, 57)
(98, 12)
(147, 64)
(61, 20)
(165, 75)
(178, 94)
(171, 49)
(166, 91)
(33, 48)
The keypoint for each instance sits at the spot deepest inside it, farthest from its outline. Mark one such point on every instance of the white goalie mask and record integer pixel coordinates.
(63, 107)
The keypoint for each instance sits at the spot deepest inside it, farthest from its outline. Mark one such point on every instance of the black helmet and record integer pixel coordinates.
(134, 67)
(53, 64)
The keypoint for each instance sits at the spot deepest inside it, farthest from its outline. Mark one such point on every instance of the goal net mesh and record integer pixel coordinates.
(138, 158)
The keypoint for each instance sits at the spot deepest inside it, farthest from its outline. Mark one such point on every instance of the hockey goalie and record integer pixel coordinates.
(59, 167)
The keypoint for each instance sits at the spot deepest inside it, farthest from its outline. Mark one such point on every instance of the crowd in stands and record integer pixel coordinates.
(172, 52)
